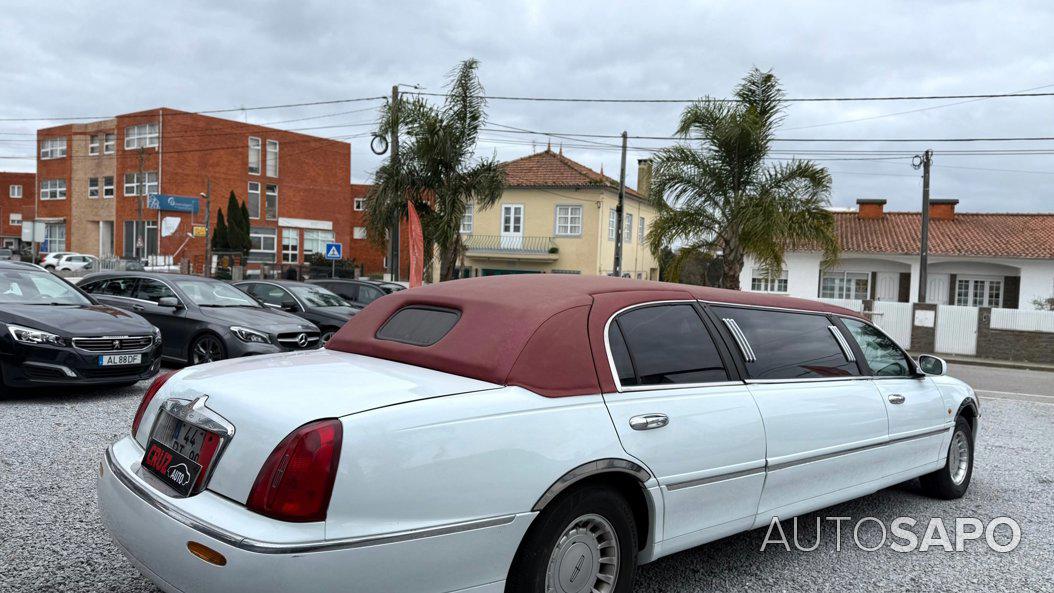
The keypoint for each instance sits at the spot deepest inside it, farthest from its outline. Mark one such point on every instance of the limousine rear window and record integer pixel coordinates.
(789, 345)
(664, 344)
(418, 325)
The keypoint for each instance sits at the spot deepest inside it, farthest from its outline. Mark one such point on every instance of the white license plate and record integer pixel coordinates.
(112, 360)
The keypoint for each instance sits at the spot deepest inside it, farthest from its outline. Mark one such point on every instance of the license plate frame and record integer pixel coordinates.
(172, 468)
(175, 440)
(120, 360)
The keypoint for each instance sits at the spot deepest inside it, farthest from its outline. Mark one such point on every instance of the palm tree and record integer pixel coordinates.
(717, 192)
(437, 168)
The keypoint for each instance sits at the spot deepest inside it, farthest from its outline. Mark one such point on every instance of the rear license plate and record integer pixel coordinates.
(179, 452)
(109, 360)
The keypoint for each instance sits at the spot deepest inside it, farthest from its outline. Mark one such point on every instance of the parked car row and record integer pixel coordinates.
(116, 327)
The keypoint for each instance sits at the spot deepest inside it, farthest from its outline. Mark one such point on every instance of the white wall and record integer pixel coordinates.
(803, 274)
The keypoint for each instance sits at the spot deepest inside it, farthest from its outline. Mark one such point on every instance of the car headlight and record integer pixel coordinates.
(157, 337)
(250, 335)
(28, 335)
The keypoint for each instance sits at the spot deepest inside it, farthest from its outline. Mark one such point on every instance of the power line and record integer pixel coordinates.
(200, 112)
(727, 100)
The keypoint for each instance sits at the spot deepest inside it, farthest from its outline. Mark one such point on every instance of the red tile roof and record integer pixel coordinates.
(969, 234)
(550, 169)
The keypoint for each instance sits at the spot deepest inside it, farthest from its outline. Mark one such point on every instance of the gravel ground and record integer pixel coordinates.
(51, 537)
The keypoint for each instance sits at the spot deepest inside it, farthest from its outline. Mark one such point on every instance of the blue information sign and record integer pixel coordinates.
(169, 203)
(334, 251)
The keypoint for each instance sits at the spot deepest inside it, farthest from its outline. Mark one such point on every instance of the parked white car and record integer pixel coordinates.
(523, 434)
(77, 262)
(49, 260)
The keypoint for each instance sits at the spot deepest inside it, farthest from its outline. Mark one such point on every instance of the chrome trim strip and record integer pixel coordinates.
(588, 469)
(838, 337)
(741, 339)
(670, 386)
(812, 380)
(788, 309)
(718, 478)
(825, 456)
(263, 547)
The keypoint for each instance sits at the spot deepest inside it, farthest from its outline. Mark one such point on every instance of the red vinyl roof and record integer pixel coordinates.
(543, 332)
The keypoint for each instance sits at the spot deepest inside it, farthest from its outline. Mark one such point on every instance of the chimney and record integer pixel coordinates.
(943, 209)
(643, 176)
(871, 208)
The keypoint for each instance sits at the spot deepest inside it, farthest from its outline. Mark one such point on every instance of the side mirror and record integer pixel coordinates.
(933, 365)
(171, 302)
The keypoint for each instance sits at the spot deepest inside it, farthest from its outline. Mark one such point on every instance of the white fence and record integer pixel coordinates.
(894, 319)
(956, 331)
(1022, 320)
(853, 304)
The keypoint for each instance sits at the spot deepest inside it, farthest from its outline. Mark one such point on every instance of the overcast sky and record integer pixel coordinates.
(101, 58)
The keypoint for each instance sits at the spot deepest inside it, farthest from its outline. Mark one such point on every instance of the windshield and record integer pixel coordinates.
(32, 287)
(208, 293)
(316, 296)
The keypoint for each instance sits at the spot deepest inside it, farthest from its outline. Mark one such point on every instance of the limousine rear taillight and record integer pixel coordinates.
(151, 391)
(296, 481)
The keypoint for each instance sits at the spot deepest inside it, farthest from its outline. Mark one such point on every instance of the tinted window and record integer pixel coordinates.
(790, 345)
(153, 290)
(620, 354)
(346, 290)
(882, 354)
(420, 326)
(122, 287)
(667, 344)
(368, 294)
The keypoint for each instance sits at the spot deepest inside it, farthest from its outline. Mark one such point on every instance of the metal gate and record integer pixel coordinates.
(956, 331)
(894, 319)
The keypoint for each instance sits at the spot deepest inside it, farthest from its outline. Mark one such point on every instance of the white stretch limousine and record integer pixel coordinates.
(523, 434)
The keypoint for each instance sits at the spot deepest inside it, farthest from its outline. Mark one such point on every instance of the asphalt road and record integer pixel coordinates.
(51, 538)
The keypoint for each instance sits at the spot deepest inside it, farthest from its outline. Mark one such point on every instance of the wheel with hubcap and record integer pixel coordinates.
(207, 348)
(952, 480)
(584, 542)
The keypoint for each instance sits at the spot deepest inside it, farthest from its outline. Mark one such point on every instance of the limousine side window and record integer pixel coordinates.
(790, 345)
(664, 344)
(882, 354)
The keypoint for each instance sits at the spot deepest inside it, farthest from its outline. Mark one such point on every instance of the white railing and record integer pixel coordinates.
(1023, 320)
(854, 304)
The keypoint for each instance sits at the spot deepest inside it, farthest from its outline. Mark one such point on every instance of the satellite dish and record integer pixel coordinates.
(379, 144)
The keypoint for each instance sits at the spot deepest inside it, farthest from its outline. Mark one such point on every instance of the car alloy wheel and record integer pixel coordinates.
(207, 349)
(959, 457)
(586, 558)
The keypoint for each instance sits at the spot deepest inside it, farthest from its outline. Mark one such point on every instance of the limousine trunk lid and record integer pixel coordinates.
(266, 398)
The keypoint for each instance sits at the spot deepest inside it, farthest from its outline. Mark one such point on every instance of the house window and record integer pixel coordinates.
(360, 204)
(271, 205)
(141, 136)
(468, 218)
(845, 285)
(14, 191)
(15, 219)
(144, 232)
(272, 158)
(109, 143)
(53, 148)
(253, 203)
(93, 187)
(54, 237)
(290, 246)
(628, 233)
(263, 244)
(568, 221)
(107, 187)
(53, 189)
(612, 224)
(315, 241)
(640, 229)
(978, 292)
(136, 182)
(358, 232)
(94, 144)
(762, 282)
(254, 155)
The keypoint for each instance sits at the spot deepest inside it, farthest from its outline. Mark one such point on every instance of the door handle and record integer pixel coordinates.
(896, 398)
(648, 421)
(138, 308)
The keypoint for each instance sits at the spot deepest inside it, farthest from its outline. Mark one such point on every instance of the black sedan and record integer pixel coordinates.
(201, 319)
(312, 302)
(357, 292)
(54, 334)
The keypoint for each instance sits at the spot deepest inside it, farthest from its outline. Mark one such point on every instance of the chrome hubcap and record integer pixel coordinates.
(585, 559)
(959, 457)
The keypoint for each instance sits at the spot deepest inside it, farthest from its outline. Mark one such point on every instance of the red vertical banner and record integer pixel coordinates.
(417, 246)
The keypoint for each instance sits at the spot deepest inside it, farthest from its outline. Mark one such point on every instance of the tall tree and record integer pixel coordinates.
(437, 169)
(246, 240)
(219, 234)
(237, 225)
(716, 192)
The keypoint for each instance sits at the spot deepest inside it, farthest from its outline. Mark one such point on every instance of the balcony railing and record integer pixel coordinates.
(510, 245)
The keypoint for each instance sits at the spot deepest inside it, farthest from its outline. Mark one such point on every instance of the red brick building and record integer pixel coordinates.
(93, 177)
(16, 190)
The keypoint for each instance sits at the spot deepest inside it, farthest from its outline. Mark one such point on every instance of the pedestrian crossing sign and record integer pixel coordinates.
(334, 251)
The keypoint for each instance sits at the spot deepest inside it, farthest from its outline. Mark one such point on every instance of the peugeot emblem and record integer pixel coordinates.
(301, 340)
(116, 344)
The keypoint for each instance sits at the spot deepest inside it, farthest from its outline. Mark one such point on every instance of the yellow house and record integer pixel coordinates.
(557, 216)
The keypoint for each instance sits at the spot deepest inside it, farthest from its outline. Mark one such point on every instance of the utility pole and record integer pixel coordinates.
(923, 161)
(207, 270)
(140, 227)
(619, 225)
(393, 257)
